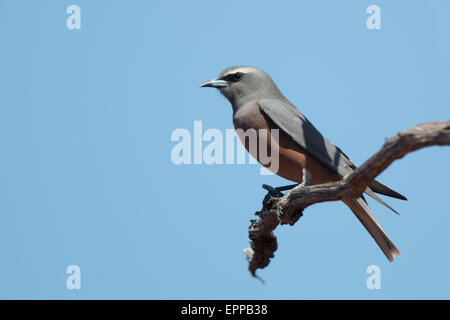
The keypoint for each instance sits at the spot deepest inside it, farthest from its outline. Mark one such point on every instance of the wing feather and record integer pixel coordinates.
(302, 131)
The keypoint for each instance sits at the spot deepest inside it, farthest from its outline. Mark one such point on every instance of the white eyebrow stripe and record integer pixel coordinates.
(240, 69)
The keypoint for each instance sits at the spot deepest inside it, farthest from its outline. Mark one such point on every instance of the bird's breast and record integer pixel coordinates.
(256, 132)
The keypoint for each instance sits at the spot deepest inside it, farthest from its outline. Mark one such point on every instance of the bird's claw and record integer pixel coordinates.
(271, 193)
(274, 192)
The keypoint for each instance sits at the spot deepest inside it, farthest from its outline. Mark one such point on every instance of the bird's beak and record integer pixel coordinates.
(216, 83)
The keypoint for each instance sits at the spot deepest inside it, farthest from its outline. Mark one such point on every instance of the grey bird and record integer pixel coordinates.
(303, 151)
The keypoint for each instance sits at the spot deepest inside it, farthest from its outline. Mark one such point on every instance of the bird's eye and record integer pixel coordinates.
(237, 76)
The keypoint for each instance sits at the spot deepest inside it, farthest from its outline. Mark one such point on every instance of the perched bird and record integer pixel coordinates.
(302, 150)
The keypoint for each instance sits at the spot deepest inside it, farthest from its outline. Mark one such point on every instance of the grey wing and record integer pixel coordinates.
(302, 131)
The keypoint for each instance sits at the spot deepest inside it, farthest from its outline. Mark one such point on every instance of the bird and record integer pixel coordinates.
(305, 155)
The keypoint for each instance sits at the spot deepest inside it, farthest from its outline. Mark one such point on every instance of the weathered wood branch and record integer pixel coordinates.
(288, 208)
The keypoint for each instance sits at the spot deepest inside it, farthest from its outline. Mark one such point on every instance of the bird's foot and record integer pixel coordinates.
(276, 192)
(273, 192)
(286, 188)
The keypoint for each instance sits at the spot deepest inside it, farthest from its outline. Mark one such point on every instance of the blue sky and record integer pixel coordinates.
(86, 176)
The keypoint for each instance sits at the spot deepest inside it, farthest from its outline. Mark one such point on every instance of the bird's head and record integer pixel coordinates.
(240, 84)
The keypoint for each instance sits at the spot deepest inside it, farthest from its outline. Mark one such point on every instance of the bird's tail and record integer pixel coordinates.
(366, 217)
(380, 188)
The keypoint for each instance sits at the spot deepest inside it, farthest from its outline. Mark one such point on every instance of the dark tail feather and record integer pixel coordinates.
(380, 188)
(366, 217)
(375, 197)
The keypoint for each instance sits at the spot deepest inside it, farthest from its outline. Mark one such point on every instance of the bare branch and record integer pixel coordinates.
(288, 208)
